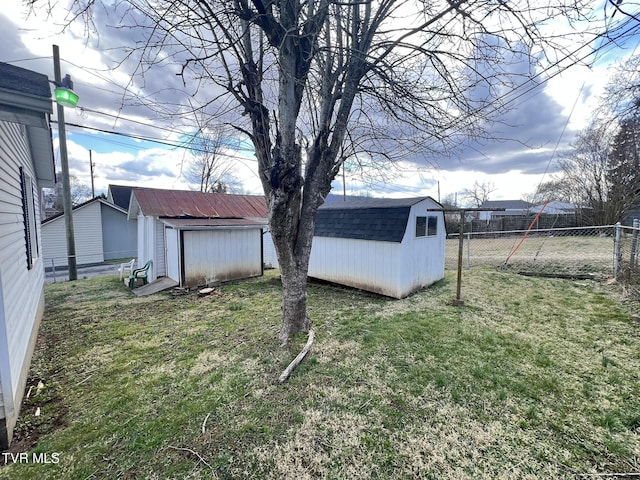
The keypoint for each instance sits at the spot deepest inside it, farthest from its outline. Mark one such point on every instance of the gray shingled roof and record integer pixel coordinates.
(120, 195)
(365, 218)
(507, 204)
(24, 81)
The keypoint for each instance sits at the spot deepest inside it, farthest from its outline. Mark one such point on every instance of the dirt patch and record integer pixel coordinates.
(30, 427)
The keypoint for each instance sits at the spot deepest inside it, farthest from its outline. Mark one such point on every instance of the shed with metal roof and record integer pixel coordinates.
(389, 246)
(199, 238)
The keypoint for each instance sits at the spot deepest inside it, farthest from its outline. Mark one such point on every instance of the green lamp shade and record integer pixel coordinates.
(66, 97)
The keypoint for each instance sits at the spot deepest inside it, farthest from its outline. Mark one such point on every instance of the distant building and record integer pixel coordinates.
(518, 208)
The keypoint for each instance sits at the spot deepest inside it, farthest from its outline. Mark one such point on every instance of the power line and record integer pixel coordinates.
(183, 145)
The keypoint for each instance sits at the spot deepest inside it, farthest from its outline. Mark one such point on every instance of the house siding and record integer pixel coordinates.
(222, 254)
(21, 289)
(87, 228)
(119, 235)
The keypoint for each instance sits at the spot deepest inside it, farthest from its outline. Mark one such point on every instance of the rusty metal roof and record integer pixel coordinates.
(187, 223)
(155, 202)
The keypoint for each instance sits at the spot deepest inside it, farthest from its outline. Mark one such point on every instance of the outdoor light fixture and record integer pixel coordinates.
(65, 95)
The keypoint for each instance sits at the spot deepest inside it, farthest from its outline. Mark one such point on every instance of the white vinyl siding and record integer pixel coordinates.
(151, 246)
(21, 289)
(87, 229)
(159, 262)
(221, 254)
(365, 264)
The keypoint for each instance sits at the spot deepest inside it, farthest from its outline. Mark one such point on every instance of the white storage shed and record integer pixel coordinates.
(389, 246)
(207, 251)
(199, 238)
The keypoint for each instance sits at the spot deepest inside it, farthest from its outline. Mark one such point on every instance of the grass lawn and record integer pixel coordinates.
(532, 378)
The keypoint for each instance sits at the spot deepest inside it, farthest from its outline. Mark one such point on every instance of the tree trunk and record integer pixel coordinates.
(294, 302)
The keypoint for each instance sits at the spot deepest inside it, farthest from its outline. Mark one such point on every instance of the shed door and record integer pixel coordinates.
(173, 254)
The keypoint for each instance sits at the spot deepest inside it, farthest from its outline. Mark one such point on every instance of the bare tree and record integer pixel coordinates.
(478, 193)
(583, 174)
(80, 192)
(318, 81)
(211, 170)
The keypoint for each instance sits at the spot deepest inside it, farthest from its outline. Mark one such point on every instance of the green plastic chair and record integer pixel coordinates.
(142, 273)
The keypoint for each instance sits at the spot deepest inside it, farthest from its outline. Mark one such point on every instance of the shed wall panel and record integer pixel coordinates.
(159, 262)
(369, 265)
(269, 255)
(173, 254)
(222, 254)
(422, 257)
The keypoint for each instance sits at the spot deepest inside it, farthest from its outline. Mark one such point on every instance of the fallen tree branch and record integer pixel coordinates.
(181, 449)
(287, 371)
(204, 423)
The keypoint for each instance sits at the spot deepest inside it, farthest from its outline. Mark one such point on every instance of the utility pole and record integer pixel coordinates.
(66, 184)
(93, 188)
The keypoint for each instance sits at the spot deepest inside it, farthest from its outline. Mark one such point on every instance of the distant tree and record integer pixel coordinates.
(478, 193)
(450, 201)
(623, 172)
(622, 93)
(582, 179)
(211, 170)
(80, 193)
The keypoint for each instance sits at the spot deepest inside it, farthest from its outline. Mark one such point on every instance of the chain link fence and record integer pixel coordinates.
(579, 252)
(626, 261)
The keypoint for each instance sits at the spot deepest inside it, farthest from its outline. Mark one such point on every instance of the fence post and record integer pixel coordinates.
(617, 255)
(634, 243)
(468, 250)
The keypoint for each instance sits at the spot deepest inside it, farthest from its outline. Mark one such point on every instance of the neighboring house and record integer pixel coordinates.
(389, 246)
(199, 238)
(555, 208)
(101, 231)
(119, 195)
(26, 165)
(511, 208)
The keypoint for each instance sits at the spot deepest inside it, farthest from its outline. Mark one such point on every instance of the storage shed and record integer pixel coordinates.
(389, 246)
(199, 238)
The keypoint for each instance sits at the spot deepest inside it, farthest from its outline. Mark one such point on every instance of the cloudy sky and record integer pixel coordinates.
(542, 119)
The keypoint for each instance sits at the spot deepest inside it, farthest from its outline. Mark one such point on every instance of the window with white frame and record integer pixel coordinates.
(29, 212)
(426, 226)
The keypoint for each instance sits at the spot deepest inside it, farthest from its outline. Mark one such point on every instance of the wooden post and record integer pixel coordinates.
(66, 184)
(458, 300)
